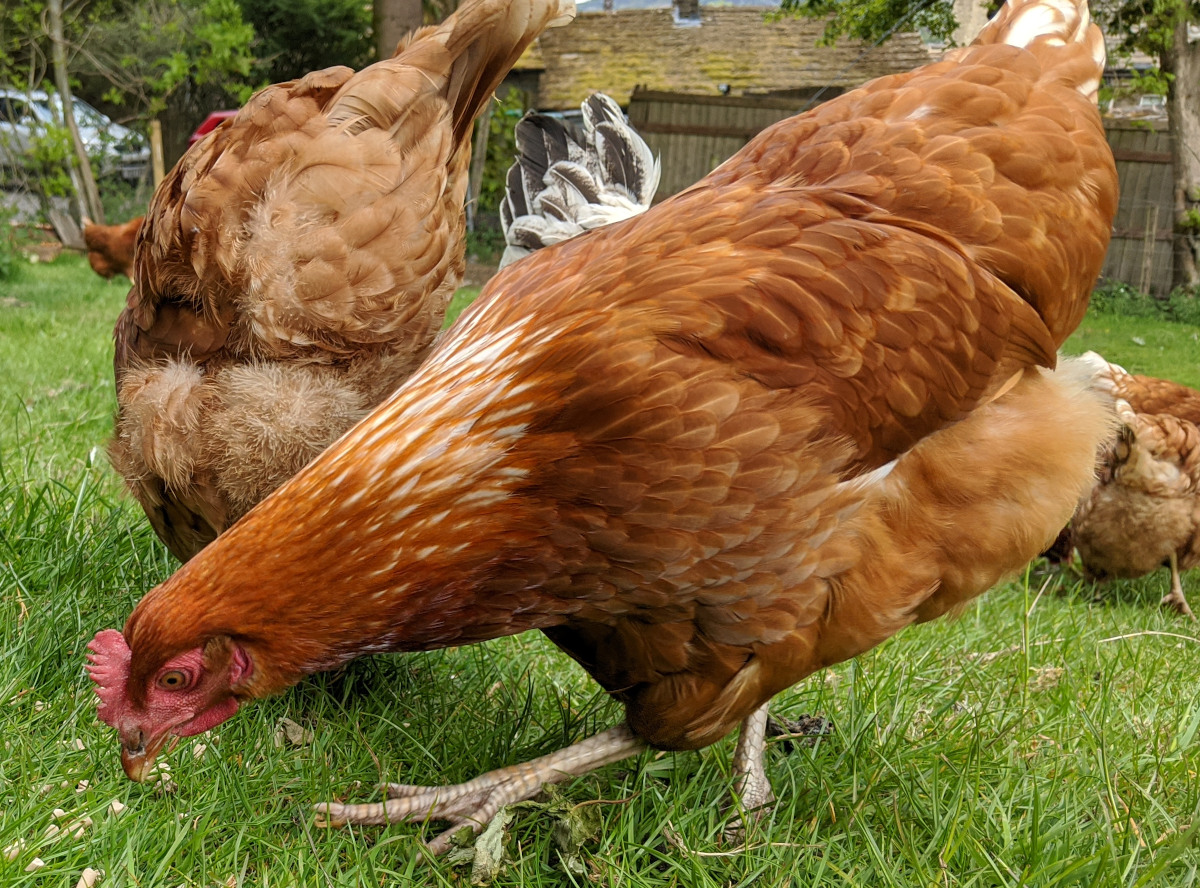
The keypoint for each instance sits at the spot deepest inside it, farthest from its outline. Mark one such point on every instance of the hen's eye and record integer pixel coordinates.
(173, 680)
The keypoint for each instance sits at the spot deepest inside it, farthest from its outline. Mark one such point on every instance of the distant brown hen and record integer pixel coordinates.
(1144, 511)
(110, 247)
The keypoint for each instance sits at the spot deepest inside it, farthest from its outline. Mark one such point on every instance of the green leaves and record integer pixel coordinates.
(201, 43)
(875, 20)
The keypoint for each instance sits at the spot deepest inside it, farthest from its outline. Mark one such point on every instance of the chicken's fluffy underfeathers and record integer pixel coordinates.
(710, 449)
(1144, 511)
(295, 267)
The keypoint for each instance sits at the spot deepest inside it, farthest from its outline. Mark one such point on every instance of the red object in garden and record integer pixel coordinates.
(210, 123)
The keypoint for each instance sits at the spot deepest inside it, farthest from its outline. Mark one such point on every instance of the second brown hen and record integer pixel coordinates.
(1144, 511)
(295, 266)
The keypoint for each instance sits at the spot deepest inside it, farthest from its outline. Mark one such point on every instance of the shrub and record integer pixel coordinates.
(1117, 298)
(10, 264)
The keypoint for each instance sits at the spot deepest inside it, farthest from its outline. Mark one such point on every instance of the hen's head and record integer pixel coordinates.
(188, 694)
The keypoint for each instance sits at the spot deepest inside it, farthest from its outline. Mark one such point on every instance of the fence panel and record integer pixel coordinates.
(694, 134)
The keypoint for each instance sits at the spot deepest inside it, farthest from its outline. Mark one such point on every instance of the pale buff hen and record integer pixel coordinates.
(751, 432)
(295, 266)
(1144, 511)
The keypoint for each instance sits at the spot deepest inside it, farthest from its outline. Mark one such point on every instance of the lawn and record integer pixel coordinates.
(1046, 738)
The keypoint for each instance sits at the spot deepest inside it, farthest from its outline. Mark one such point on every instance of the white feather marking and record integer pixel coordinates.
(868, 480)
(1040, 20)
(511, 431)
(484, 496)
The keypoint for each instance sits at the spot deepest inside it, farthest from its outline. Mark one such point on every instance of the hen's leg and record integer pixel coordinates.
(751, 784)
(1174, 598)
(476, 802)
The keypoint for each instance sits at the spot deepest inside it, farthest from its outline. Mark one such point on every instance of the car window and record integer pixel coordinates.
(85, 114)
(89, 116)
(14, 110)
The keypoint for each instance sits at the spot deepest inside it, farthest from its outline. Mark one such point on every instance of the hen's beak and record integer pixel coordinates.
(136, 762)
(138, 755)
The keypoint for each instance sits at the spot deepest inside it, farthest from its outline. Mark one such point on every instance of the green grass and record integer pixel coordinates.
(1142, 345)
(1018, 745)
(459, 301)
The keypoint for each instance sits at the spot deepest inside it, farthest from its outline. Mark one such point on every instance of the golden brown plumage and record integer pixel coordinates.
(710, 449)
(295, 266)
(1144, 511)
(110, 247)
(1147, 394)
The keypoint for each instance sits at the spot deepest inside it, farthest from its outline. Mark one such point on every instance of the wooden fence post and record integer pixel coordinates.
(157, 165)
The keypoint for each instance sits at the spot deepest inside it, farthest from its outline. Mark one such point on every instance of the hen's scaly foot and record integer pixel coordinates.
(1178, 603)
(752, 787)
(477, 801)
(1175, 598)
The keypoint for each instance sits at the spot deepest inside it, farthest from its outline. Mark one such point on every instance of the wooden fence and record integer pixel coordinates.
(1140, 253)
(694, 134)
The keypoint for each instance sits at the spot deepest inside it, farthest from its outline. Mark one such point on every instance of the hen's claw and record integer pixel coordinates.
(470, 804)
(477, 801)
(805, 730)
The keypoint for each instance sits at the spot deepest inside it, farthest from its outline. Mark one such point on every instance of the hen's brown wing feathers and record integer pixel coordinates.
(1146, 394)
(989, 148)
(882, 323)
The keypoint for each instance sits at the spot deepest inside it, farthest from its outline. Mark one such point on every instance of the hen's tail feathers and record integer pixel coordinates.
(1038, 25)
(464, 58)
(561, 185)
(1107, 377)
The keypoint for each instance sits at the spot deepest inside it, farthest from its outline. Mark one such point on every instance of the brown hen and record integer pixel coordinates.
(110, 247)
(709, 449)
(295, 266)
(1144, 512)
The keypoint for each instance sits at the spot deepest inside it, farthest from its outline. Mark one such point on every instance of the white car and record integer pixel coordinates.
(24, 115)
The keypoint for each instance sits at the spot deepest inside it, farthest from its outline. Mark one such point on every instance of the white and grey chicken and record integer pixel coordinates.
(565, 183)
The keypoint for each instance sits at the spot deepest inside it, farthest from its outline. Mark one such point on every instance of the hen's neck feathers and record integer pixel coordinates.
(421, 521)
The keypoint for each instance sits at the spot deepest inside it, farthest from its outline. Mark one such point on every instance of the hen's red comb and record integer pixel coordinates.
(108, 667)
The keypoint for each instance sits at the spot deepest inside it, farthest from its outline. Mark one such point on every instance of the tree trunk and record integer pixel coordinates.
(483, 130)
(393, 19)
(86, 186)
(179, 120)
(1183, 107)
